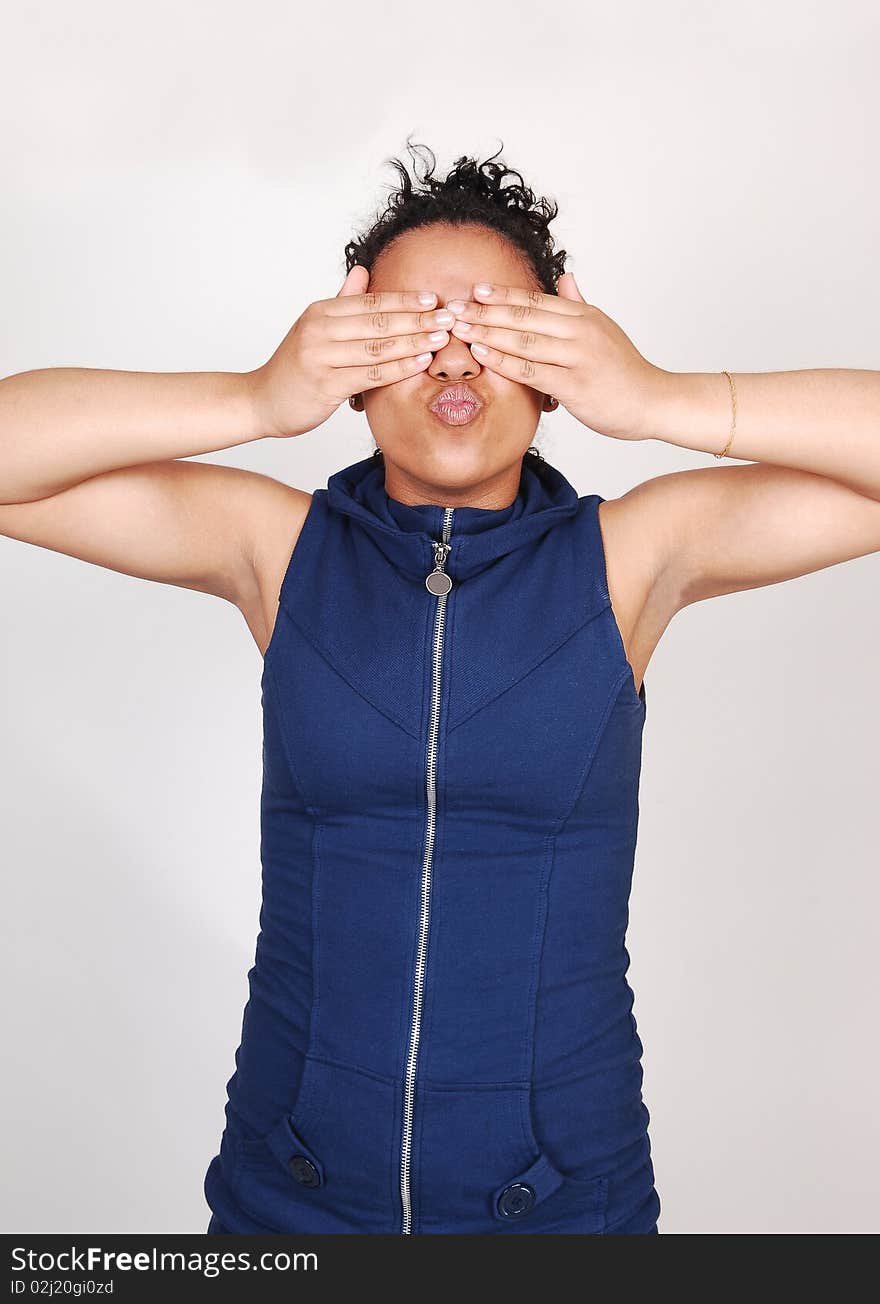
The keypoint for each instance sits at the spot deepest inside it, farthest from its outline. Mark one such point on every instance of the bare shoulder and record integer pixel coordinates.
(639, 532)
(277, 514)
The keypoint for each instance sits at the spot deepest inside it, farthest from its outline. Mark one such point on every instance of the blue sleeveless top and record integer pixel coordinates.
(439, 1034)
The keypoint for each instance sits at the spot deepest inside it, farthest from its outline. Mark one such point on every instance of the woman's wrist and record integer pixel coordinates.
(259, 414)
(691, 409)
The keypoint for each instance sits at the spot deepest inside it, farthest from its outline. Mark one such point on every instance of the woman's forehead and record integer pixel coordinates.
(449, 260)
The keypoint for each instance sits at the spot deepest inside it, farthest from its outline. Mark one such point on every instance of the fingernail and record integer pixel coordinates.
(424, 357)
(464, 327)
(480, 350)
(456, 305)
(482, 288)
(426, 298)
(437, 337)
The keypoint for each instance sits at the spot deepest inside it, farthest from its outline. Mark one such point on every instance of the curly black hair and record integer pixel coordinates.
(471, 193)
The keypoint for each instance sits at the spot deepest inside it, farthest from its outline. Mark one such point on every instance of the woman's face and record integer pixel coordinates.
(427, 460)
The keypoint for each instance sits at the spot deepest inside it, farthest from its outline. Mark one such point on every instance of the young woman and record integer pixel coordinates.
(439, 1035)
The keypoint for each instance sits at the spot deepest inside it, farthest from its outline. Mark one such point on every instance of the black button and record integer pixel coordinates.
(305, 1171)
(516, 1200)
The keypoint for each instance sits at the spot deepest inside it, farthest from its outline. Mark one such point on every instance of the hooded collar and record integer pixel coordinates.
(478, 535)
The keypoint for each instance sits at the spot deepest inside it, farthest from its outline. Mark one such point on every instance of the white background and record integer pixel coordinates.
(178, 184)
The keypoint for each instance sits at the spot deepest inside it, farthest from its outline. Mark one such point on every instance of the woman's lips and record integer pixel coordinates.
(455, 414)
(456, 405)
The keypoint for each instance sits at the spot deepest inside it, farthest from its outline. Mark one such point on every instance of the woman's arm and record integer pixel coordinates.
(825, 420)
(809, 498)
(93, 463)
(62, 425)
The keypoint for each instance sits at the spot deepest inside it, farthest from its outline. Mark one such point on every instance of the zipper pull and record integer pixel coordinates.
(437, 581)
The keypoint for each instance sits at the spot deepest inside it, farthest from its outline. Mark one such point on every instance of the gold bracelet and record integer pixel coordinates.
(723, 452)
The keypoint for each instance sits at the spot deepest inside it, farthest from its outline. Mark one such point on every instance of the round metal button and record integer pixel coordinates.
(516, 1200)
(438, 583)
(305, 1171)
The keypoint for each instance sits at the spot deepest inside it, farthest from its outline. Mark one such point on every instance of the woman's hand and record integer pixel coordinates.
(565, 347)
(343, 346)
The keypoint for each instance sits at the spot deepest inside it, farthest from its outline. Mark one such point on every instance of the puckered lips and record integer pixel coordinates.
(456, 405)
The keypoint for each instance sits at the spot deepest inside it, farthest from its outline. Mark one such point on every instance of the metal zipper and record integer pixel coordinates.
(438, 583)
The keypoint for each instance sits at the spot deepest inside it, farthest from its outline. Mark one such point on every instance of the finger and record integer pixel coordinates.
(357, 353)
(520, 316)
(365, 326)
(567, 287)
(354, 380)
(522, 343)
(523, 296)
(373, 301)
(541, 376)
(356, 282)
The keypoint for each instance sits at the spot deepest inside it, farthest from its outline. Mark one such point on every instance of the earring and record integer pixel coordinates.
(553, 403)
(353, 401)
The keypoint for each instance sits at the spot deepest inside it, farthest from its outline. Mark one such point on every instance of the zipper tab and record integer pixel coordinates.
(437, 581)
